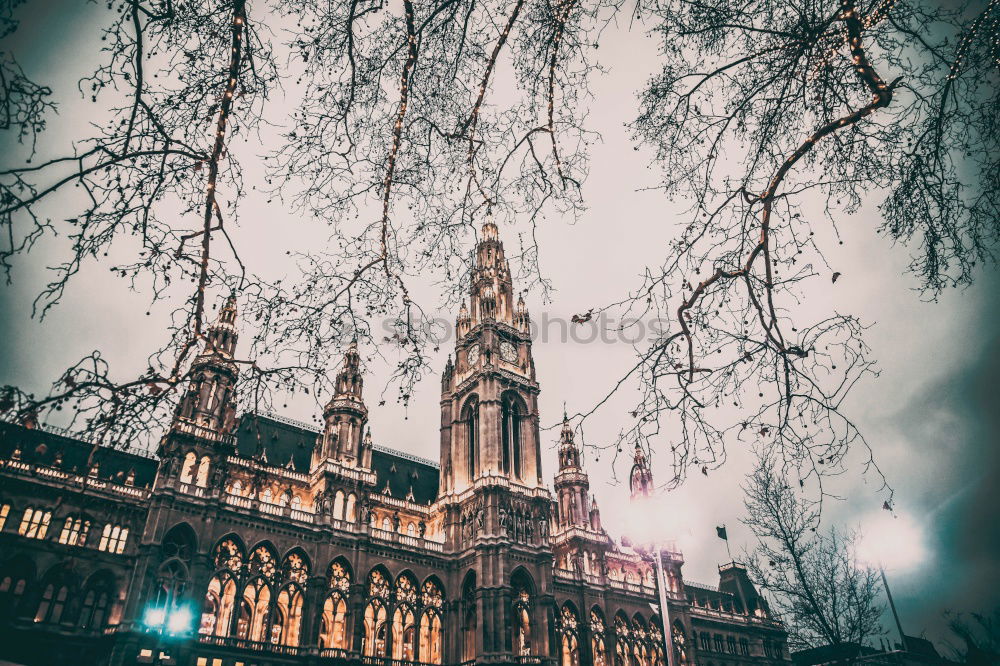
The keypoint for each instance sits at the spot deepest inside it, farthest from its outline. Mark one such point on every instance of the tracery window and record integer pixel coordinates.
(262, 562)
(522, 618)
(378, 586)
(34, 523)
(511, 416)
(406, 591)
(679, 639)
(74, 531)
(52, 603)
(296, 570)
(623, 642)
(569, 622)
(219, 605)
(4, 510)
(287, 621)
(375, 635)
(333, 621)
(597, 644)
(470, 417)
(431, 636)
(228, 555)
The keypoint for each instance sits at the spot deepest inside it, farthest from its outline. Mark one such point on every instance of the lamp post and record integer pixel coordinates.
(661, 584)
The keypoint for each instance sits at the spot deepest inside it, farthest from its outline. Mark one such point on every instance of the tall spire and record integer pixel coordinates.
(492, 293)
(641, 481)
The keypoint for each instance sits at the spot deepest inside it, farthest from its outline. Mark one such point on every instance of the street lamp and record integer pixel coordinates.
(895, 541)
(641, 527)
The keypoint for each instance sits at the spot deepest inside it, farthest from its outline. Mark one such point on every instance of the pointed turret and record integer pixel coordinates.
(641, 481)
(492, 294)
(569, 454)
(345, 415)
(209, 401)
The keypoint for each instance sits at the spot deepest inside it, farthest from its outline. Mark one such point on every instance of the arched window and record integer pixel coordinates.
(404, 633)
(522, 589)
(228, 554)
(375, 629)
(511, 416)
(203, 468)
(236, 488)
(349, 514)
(597, 645)
(431, 636)
(52, 604)
(338, 505)
(113, 539)
(266, 496)
(287, 619)
(469, 619)
(623, 641)
(411, 530)
(296, 503)
(679, 640)
(217, 609)
(470, 416)
(387, 524)
(74, 531)
(188, 468)
(569, 623)
(333, 621)
(34, 523)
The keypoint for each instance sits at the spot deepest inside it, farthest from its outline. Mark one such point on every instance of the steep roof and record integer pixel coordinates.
(42, 446)
(281, 440)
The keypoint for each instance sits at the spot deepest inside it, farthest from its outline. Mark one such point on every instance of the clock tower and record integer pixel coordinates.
(489, 397)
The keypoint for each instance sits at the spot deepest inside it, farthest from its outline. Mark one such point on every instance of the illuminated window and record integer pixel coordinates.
(74, 531)
(4, 510)
(34, 523)
(113, 539)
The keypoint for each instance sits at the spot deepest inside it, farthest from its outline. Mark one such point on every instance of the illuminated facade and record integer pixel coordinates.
(262, 541)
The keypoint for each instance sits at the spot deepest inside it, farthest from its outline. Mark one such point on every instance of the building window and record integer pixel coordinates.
(569, 622)
(4, 510)
(471, 418)
(706, 641)
(731, 644)
(719, 645)
(34, 523)
(510, 434)
(113, 539)
(74, 531)
(52, 604)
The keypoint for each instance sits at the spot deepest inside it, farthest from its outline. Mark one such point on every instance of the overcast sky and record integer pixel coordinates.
(931, 415)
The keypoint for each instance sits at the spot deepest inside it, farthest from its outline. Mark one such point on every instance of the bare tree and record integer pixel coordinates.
(979, 636)
(822, 592)
(771, 119)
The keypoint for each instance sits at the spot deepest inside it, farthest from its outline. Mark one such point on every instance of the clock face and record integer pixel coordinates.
(473, 355)
(508, 352)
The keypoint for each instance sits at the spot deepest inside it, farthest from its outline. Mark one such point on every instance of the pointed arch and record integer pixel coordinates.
(219, 605)
(99, 595)
(470, 420)
(469, 616)
(296, 566)
(204, 466)
(59, 588)
(379, 582)
(523, 587)
(263, 560)
(188, 467)
(180, 541)
(286, 622)
(569, 629)
(598, 636)
(375, 636)
(350, 507)
(512, 416)
(338, 504)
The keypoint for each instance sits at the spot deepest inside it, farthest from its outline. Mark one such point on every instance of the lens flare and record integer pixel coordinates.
(893, 542)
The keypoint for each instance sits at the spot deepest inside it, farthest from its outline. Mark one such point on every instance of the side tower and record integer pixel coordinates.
(496, 507)
(579, 542)
(341, 473)
(194, 450)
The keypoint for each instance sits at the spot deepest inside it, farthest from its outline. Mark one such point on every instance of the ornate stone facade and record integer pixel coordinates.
(262, 541)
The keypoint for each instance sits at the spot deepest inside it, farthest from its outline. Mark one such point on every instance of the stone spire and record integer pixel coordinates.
(641, 481)
(571, 482)
(492, 293)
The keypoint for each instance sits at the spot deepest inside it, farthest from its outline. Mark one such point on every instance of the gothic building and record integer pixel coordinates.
(261, 541)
